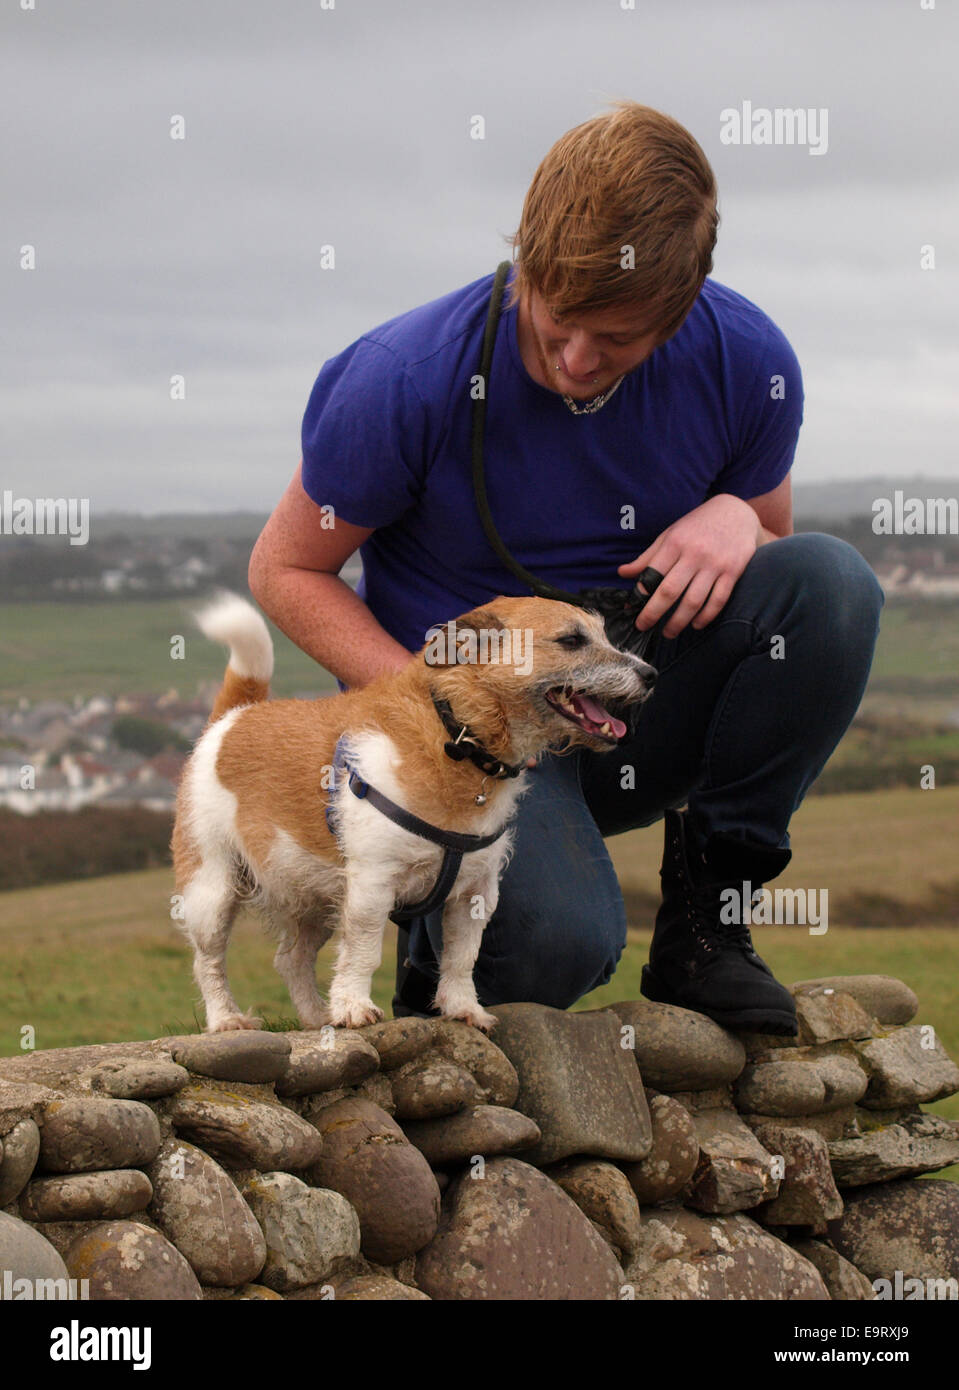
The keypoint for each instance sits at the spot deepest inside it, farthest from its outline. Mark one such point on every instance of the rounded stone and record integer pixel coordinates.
(515, 1235)
(100, 1196)
(325, 1060)
(844, 1081)
(672, 1160)
(889, 1000)
(678, 1049)
(399, 1040)
(483, 1129)
(603, 1194)
(21, 1148)
(125, 1260)
(828, 1015)
(199, 1209)
(244, 1133)
(26, 1253)
(780, 1088)
(807, 1194)
(429, 1087)
(489, 1066)
(246, 1055)
(686, 1256)
(907, 1067)
(379, 1287)
(911, 1225)
(843, 1280)
(368, 1159)
(145, 1078)
(308, 1231)
(85, 1134)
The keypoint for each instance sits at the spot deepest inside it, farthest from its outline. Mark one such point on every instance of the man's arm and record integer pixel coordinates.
(775, 512)
(294, 577)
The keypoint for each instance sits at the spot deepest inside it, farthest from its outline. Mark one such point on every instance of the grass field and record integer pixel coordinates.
(121, 646)
(100, 960)
(918, 644)
(59, 650)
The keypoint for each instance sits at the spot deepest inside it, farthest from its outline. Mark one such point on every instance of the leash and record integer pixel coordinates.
(618, 607)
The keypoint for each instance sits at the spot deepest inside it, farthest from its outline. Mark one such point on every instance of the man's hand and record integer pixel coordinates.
(703, 553)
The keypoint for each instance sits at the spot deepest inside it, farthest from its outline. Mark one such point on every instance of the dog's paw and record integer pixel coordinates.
(233, 1022)
(313, 1022)
(355, 1013)
(457, 1000)
(477, 1018)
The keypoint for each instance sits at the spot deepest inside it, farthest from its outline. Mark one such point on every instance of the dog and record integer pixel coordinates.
(270, 814)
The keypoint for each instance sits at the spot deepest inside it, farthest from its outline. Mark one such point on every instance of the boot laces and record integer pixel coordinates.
(705, 905)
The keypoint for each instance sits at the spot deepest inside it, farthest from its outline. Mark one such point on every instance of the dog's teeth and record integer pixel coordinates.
(604, 728)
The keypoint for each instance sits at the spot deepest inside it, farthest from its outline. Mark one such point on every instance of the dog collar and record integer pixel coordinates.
(464, 744)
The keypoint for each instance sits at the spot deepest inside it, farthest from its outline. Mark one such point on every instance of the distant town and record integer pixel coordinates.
(56, 756)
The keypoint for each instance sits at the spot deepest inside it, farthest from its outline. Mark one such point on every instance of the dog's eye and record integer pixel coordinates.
(572, 640)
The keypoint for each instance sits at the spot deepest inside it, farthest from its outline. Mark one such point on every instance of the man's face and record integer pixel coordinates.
(590, 351)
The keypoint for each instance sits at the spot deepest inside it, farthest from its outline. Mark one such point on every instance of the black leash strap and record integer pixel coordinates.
(449, 839)
(619, 607)
(538, 586)
(454, 844)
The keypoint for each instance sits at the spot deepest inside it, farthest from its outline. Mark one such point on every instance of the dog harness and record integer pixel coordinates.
(454, 845)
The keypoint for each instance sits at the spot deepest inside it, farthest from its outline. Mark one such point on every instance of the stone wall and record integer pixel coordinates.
(639, 1152)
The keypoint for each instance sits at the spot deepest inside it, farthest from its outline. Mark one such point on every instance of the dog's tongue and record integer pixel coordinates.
(594, 711)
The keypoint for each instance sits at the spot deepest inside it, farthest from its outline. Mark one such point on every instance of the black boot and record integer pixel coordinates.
(696, 959)
(414, 990)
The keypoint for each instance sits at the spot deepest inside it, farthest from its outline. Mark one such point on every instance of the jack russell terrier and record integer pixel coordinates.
(340, 812)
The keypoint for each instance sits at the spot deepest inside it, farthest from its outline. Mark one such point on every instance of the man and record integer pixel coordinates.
(638, 414)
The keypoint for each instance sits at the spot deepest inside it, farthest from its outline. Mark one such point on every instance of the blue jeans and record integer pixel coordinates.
(738, 726)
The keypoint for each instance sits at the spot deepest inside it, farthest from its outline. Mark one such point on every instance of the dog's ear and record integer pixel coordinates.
(481, 619)
(441, 651)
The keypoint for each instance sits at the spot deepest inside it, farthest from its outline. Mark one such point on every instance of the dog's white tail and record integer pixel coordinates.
(234, 622)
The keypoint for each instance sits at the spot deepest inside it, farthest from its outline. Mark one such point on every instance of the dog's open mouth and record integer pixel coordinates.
(588, 713)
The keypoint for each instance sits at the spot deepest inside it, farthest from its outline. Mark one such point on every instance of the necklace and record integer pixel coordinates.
(587, 407)
(597, 403)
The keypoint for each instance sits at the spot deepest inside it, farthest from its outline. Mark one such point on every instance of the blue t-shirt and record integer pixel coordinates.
(386, 442)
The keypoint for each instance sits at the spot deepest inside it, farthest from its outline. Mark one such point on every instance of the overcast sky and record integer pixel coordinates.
(350, 126)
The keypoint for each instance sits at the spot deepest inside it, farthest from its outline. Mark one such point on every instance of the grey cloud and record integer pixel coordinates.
(350, 126)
